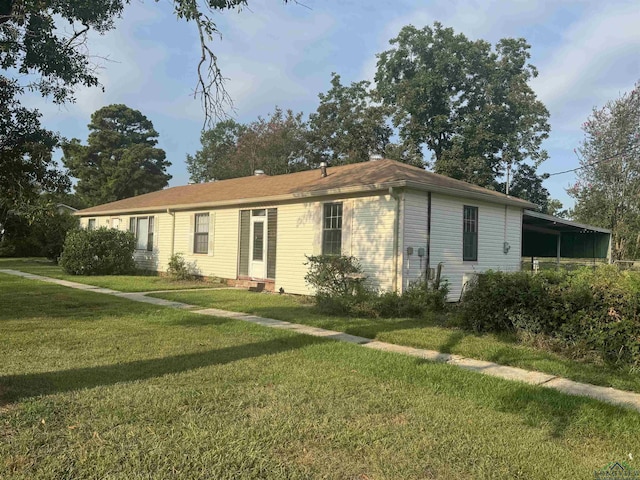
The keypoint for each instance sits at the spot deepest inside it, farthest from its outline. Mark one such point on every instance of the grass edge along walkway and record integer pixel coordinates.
(604, 394)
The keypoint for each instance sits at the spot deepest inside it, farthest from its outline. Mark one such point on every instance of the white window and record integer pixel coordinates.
(142, 229)
(91, 224)
(201, 233)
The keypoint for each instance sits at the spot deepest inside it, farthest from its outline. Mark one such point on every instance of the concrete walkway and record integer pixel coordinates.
(604, 394)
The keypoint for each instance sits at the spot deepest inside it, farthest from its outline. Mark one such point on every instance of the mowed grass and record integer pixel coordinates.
(94, 386)
(432, 333)
(123, 283)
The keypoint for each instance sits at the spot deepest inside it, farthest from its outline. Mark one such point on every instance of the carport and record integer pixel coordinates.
(553, 237)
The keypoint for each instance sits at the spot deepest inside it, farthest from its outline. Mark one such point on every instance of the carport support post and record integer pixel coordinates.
(558, 250)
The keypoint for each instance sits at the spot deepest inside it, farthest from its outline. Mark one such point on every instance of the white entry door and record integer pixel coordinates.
(258, 244)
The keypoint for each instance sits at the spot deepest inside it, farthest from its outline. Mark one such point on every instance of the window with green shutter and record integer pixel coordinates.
(470, 234)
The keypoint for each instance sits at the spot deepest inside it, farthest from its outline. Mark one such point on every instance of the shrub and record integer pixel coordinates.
(592, 310)
(98, 252)
(341, 290)
(179, 269)
(40, 232)
(423, 297)
(334, 275)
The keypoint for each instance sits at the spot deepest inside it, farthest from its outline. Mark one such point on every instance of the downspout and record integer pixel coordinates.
(396, 234)
(173, 229)
(428, 267)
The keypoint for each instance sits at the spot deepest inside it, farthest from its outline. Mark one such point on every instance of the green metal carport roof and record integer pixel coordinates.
(549, 236)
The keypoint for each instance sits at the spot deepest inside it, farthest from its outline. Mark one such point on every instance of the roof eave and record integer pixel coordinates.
(487, 197)
(563, 221)
(248, 201)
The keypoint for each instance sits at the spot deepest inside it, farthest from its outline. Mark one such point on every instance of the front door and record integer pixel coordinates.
(258, 244)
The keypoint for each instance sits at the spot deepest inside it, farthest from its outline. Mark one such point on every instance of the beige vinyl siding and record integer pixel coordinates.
(299, 234)
(367, 233)
(415, 220)
(446, 239)
(221, 257)
(371, 237)
(162, 239)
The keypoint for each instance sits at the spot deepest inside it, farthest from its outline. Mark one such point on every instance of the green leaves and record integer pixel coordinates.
(276, 144)
(26, 165)
(121, 159)
(104, 251)
(607, 192)
(469, 104)
(348, 125)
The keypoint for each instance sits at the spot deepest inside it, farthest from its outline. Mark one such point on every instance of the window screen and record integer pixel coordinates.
(332, 229)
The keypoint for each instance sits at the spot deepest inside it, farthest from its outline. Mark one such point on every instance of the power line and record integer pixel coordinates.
(592, 163)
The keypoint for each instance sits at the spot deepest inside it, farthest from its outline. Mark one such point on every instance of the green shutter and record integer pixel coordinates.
(272, 234)
(245, 232)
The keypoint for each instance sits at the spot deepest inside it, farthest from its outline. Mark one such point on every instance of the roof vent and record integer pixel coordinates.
(258, 173)
(323, 169)
(375, 156)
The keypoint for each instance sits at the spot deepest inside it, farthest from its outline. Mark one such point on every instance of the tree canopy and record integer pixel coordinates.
(26, 164)
(120, 159)
(347, 127)
(469, 103)
(276, 145)
(43, 44)
(607, 192)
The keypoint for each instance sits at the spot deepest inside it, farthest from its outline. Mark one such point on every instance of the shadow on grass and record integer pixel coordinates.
(17, 387)
(52, 302)
(559, 411)
(375, 327)
(452, 341)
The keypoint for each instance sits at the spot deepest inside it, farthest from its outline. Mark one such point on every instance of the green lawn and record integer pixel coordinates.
(94, 386)
(432, 333)
(123, 283)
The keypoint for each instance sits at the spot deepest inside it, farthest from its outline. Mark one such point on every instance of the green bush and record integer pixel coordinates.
(179, 269)
(594, 310)
(98, 252)
(334, 275)
(40, 233)
(341, 290)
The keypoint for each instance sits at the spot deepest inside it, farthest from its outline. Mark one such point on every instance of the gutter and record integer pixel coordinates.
(487, 197)
(247, 201)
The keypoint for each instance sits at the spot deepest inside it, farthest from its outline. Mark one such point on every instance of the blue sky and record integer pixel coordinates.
(587, 52)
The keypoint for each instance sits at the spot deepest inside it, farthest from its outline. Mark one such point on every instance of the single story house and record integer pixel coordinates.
(400, 221)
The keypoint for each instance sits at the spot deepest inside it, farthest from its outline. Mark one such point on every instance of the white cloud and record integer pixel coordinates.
(596, 61)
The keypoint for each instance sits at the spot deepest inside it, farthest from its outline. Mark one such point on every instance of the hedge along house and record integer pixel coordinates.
(400, 221)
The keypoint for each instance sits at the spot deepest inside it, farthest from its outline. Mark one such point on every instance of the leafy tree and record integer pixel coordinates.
(527, 185)
(214, 160)
(121, 158)
(469, 103)
(607, 192)
(275, 144)
(554, 207)
(57, 58)
(347, 126)
(38, 229)
(26, 165)
(55, 61)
